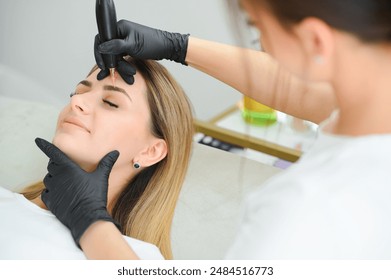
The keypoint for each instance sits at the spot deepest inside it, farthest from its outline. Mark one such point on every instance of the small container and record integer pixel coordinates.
(256, 113)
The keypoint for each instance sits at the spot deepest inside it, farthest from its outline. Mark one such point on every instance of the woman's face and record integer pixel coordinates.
(101, 118)
(275, 40)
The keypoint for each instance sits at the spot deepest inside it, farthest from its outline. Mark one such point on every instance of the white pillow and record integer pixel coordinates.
(21, 121)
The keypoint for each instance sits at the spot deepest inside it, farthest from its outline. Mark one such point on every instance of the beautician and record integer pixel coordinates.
(326, 61)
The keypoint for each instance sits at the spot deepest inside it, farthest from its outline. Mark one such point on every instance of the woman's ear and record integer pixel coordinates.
(317, 40)
(154, 153)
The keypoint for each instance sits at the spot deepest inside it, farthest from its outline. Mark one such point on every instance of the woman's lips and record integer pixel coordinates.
(77, 122)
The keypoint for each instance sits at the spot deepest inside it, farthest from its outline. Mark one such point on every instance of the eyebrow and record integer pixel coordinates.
(107, 87)
(86, 83)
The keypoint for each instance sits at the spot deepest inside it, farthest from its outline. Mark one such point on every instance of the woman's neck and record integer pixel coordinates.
(363, 88)
(38, 201)
(118, 180)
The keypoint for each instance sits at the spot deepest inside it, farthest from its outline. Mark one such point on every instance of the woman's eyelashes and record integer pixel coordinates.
(72, 94)
(105, 101)
(111, 104)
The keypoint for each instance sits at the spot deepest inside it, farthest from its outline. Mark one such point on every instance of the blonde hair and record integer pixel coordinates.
(145, 208)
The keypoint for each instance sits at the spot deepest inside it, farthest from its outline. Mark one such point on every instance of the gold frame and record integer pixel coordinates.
(211, 129)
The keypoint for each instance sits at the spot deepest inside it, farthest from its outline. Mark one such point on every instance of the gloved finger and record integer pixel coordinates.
(126, 67)
(97, 54)
(51, 167)
(129, 79)
(46, 182)
(107, 162)
(126, 71)
(103, 74)
(113, 47)
(54, 168)
(52, 152)
(123, 27)
(45, 197)
(126, 27)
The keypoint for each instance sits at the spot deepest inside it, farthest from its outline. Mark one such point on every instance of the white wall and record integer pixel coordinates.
(51, 41)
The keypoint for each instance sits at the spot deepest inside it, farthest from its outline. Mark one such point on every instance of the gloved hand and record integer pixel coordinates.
(77, 198)
(142, 42)
(126, 70)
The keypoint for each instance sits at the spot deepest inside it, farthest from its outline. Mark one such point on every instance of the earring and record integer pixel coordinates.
(318, 59)
(136, 165)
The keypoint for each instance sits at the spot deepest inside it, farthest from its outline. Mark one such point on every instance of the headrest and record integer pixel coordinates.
(21, 121)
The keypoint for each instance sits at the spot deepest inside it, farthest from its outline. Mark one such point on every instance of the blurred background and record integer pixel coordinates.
(50, 43)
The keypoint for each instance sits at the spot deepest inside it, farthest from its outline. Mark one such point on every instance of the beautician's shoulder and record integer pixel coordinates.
(144, 250)
(313, 209)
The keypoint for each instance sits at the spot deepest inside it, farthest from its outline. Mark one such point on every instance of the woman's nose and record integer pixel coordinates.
(80, 104)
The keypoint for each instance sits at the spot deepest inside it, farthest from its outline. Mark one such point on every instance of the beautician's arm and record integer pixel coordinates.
(103, 241)
(259, 76)
(251, 72)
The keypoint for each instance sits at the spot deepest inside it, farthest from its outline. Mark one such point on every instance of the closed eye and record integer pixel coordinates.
(110, 103)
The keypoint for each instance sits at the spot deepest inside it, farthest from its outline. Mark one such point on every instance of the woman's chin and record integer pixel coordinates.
(77, 154)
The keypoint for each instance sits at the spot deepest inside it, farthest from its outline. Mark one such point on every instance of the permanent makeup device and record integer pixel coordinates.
(106, 19)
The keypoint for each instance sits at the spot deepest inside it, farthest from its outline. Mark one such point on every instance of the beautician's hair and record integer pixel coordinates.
(145, 208)
(369, 20)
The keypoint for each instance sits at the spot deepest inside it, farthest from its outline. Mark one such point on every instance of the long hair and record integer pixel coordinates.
(145, 208)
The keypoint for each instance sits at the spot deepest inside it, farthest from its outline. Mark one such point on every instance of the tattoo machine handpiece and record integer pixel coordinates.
(106, 19)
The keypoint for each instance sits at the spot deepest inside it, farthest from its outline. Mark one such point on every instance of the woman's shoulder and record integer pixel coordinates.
(144, 250)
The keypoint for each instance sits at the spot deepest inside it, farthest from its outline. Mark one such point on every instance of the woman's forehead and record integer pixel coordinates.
(139, 82)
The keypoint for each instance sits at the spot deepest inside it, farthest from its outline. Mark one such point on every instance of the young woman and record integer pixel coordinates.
(149, 127)
(329, 62)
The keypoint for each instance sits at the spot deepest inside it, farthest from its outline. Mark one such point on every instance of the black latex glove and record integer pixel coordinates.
(126, 70)
(142, 42)
(77, 198)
